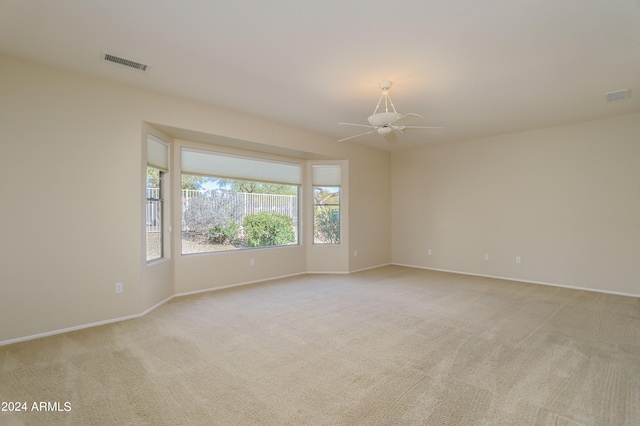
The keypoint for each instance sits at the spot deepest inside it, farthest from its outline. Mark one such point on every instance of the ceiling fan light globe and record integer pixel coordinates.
(384, 130)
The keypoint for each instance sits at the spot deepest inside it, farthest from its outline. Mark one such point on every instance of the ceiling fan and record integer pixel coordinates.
(387, 123)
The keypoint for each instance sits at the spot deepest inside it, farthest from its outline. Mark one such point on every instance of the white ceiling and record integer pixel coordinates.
(477, 68)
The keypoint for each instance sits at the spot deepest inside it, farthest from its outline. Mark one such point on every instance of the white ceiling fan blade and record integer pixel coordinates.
(430, 130)
(356, 136)
(359, 125)
(423, 127)
(406, 119)
(391, 138)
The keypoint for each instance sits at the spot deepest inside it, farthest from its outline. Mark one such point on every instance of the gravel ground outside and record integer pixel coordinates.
(188, 247)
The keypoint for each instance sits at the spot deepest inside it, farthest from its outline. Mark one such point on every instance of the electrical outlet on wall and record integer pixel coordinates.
(428, 252)
(118, 287)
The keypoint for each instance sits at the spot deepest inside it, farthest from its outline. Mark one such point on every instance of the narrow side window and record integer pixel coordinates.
(157, 169)
(326, 203)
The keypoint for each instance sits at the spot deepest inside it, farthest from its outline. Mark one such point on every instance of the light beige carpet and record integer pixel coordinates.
(392, 345)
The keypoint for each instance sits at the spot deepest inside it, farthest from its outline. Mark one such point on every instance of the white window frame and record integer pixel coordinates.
(242, 167)
(327, 175)
(158, 159)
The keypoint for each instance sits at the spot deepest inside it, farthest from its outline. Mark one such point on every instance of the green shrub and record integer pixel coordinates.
(268, 229)
(224, 234)
(209, 218)
(327, 225)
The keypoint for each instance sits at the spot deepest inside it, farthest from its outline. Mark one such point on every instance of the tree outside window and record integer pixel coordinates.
(326, 214)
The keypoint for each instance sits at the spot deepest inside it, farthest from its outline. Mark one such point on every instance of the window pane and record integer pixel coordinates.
(154, 230)
(326, 215)
(154, 214)
(222, 214)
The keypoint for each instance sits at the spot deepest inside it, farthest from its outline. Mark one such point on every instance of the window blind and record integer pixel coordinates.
(327, 174)
(209, 163)
(157, 153)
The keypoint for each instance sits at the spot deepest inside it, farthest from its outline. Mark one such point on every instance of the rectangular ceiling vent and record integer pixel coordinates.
(618, 95)
(125, 62)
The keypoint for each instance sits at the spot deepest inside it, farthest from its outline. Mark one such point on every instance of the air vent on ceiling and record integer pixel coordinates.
(618, 95)
(125, 62)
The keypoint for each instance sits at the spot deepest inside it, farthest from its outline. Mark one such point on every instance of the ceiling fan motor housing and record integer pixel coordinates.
(383, 118)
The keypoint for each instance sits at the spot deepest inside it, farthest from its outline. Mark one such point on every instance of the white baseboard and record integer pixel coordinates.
(347, 272)
(596, 290)
(206, 290)
(66, 330)
(129, 317)
(157, 305)
(83, 326)
(370, 267)
(148, 310)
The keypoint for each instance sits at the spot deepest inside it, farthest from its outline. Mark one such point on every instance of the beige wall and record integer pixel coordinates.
(368, 206)
(565, 199)
(72, 185)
